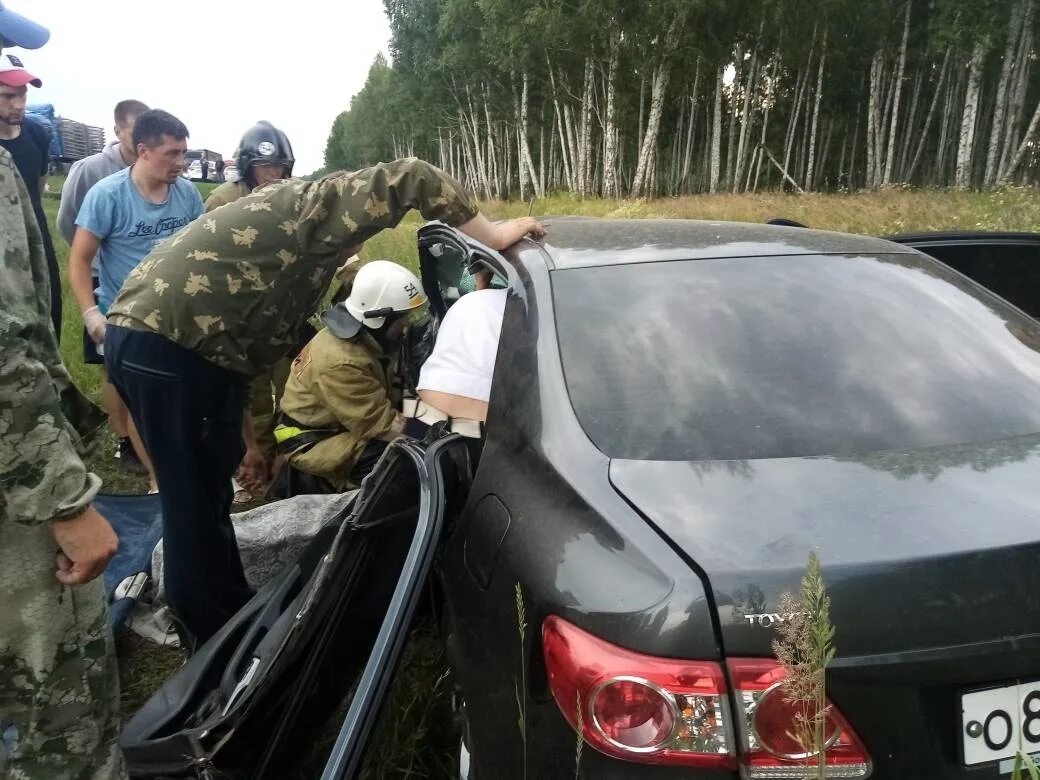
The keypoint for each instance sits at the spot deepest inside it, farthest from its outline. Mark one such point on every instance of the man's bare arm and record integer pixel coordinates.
(499, 235)
(252, 472)
(84, 246)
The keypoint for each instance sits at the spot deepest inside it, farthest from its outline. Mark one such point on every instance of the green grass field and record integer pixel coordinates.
(415, 736)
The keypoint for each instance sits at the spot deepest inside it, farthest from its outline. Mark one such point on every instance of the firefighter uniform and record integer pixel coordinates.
(341, 395)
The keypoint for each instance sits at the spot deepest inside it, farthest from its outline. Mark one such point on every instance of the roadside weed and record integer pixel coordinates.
(521, 689)
(805, 646)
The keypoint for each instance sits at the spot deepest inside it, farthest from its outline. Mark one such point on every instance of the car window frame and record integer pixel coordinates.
(438, 232)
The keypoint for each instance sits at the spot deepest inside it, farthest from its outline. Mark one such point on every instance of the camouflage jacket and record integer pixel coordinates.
(237, 285)
(42, 477)
(226, 193)
(344, 385)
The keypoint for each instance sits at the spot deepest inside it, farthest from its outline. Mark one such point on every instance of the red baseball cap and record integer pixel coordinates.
(14, 74)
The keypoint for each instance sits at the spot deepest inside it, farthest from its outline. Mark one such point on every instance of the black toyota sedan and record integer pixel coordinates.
(681, 412)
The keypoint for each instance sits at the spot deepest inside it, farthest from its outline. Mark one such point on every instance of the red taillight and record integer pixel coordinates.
(670, 711)
(768, 747)
(638, 707)
(633, 714)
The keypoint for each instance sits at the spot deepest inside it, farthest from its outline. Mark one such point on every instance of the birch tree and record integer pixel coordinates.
(606, 97)
(662, 72)
(965, 147)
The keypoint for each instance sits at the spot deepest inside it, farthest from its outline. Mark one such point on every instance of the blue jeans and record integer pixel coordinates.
(189, 414)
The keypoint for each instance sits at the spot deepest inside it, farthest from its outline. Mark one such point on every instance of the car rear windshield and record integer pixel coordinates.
(791, 356)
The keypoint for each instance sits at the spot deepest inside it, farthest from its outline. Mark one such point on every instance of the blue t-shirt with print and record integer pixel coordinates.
(130, 226)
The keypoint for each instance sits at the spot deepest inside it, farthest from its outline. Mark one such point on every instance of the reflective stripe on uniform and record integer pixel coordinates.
(283, 433)
(290, 438)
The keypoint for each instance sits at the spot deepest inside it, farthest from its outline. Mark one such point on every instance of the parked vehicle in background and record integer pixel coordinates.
(230, 171)
(203, 165)
(70, 140)
(192, 170)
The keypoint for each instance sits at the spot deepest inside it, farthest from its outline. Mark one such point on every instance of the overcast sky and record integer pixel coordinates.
(218, 65)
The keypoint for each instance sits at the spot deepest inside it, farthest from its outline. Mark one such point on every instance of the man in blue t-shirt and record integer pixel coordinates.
(123, 217)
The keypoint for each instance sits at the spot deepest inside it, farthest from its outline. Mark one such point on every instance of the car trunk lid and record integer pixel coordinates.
(920, 550)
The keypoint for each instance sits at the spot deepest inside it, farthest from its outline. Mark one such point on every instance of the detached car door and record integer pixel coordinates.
(252, 699)
(444, 475)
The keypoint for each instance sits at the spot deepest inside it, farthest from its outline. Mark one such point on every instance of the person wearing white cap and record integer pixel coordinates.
(29, 145)
(59, 686)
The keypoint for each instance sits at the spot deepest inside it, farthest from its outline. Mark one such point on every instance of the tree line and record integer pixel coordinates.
(618, 98)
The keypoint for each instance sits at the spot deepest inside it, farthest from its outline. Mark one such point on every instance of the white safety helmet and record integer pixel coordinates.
(382, 288)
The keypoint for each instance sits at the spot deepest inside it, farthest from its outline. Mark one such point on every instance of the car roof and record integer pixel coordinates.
(573, 242)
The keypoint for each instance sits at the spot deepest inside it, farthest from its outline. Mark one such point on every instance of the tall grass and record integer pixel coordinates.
(415, 736)
(884, 212)
(1025, 763)
(579, 744)
(521, 686)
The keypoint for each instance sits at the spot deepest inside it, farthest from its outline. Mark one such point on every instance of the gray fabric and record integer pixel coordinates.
(83, 175)
(340, 322)
(269, 537)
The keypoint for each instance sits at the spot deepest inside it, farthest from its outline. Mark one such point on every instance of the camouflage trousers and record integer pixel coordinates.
(59, 685)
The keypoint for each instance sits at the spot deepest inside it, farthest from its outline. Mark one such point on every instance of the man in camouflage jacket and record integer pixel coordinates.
(222, 301)
(264, 156)
(59, 689)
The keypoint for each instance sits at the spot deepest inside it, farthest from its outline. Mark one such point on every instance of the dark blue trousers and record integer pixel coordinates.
(189, 414)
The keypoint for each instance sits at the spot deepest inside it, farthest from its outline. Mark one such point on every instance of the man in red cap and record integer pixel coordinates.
(29, 145)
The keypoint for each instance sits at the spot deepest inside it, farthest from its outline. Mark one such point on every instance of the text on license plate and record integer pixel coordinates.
(999, 722)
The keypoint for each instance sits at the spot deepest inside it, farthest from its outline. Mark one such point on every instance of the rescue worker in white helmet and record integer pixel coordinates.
(342, 401)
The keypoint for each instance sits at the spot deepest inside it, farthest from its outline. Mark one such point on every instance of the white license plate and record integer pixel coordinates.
(999, 722)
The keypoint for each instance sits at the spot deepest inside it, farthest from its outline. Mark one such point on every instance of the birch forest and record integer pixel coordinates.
(617, 98)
